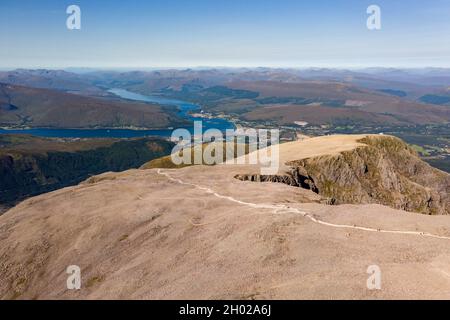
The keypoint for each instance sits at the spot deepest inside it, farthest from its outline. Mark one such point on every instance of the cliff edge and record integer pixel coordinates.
(378, 169)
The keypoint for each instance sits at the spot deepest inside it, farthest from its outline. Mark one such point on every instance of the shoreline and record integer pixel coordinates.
(96, 128)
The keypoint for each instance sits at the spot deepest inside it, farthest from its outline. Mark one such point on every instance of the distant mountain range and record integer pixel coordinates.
(49, 79)
(392, 96)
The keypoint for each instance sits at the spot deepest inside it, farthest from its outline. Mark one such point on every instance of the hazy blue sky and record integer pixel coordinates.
(178, 33)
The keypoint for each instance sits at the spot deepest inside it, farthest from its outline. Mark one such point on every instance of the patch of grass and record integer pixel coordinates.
(167, 163)
(419, 149)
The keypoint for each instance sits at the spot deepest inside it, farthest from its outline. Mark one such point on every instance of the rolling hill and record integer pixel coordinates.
(347, 98)
(32, 107)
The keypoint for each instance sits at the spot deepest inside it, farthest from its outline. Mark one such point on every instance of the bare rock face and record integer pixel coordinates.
(384, 171)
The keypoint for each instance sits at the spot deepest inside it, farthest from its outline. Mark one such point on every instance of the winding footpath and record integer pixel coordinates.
(276, 209)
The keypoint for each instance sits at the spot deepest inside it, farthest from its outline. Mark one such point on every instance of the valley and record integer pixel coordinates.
(30, 165)
(25, 107)
(307, 102)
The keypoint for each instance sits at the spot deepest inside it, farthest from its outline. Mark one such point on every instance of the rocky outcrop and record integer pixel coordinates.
(385, 170)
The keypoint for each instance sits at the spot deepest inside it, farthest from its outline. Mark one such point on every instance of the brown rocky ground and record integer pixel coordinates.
(379, 169)
(199, 233)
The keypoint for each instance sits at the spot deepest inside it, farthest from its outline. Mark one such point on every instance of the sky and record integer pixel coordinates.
(224, 33)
